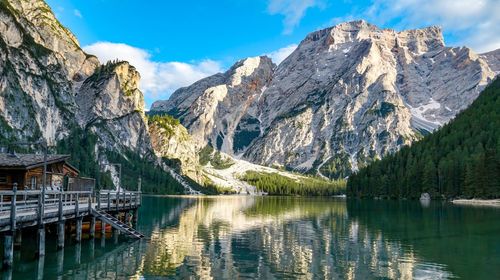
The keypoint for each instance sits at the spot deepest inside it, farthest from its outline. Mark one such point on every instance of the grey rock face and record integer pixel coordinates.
(222, 109)
(347, 95)
(174, 142)
(48, 85)
(355, 92)
(493, 60)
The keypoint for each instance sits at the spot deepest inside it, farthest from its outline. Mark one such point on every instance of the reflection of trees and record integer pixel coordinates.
(306, 238)
(237, 237)
(205, 234)
(459, 237)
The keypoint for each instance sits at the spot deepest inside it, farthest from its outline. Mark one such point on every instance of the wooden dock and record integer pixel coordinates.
(37, 208)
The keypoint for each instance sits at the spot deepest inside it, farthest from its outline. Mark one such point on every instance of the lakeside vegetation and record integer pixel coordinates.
(462, 159)
(209, 155)
(80, 145)
(276, 184)
(167, 122)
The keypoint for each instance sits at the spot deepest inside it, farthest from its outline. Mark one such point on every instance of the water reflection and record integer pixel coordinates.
(276, 238)
(240, 237)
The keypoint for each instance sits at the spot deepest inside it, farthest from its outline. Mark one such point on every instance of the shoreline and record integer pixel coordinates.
(477, 202)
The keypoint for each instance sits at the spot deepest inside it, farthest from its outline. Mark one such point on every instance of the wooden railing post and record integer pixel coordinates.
(60, 225)
(92, 218)
(61, 206)
(98, 197)
(78, 218)
(89, 209)
(117, 198)
(124, 200)
(77, 207)
(109, 200)
(139, 186)
(13, 209)
(8, 247)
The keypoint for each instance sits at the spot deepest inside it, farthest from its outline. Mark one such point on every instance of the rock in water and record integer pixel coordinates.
(425, 197)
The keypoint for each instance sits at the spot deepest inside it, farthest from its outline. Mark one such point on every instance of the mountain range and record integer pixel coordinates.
(346, 96)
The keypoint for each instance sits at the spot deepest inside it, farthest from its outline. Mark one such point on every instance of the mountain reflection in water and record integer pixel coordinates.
(235, 237)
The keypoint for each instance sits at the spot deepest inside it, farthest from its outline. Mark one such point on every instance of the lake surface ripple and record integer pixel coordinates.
(239, 237)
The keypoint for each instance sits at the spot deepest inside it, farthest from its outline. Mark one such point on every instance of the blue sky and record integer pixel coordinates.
(174, 43)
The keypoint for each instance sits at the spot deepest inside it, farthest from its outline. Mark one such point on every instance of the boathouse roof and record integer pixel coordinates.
(28, 161)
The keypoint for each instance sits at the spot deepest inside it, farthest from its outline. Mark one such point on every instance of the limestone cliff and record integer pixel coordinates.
(221, 110)
(172, 141)
(347, 95)
(50, 88)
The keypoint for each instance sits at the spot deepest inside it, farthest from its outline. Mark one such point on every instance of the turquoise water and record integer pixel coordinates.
(283, 238)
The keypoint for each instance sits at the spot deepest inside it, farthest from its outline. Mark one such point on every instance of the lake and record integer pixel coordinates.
(238, 237)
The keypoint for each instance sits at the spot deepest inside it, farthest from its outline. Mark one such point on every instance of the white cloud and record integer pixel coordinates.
(279, 55)
(77, 13)
(474, 23)
(292, 10)
(158, 79)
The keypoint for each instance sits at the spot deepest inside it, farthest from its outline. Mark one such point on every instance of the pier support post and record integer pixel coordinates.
(60, 235)
(60, 262)
(18, 239)
(127, 218)
(8, 246)
(92, 227)
(79, 229)
(103, 229)
(40, 268)
(135, 217)
(61, 223)
(78, 219)
(116, 233)
(8, 250)
(41, 241)
(78, 253)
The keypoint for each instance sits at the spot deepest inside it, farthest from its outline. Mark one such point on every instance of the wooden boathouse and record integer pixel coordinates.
(45, 190)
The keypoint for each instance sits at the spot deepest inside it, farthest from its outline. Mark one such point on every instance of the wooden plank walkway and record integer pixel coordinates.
(60, 206)
(22, 209)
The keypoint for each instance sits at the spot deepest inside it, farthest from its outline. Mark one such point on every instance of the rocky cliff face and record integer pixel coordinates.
(493, 60)
(171, 140)
(221, 110)
(39, 62)
(49, 86)
(110, 103)
(347, 95)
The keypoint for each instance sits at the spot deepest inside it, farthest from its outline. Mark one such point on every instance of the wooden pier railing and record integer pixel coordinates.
(25, 208)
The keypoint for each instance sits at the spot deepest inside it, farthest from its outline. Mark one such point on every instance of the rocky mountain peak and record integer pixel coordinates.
(39, 20)
(347, 95)
(492, 58)
(417, 41)
(110, 93)
(33, 23)
(52, 87)
(245, 68)
(213, 108)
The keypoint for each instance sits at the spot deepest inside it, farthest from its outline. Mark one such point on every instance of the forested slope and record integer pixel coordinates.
(462, 159)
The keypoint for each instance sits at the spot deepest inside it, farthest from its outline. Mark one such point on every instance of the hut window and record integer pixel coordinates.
(3, 179)
(33, 182)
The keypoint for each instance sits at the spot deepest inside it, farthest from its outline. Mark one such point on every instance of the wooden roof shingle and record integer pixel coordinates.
(27, 161)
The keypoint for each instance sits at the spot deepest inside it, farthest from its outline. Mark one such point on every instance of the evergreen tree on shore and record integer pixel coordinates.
(462, 159)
